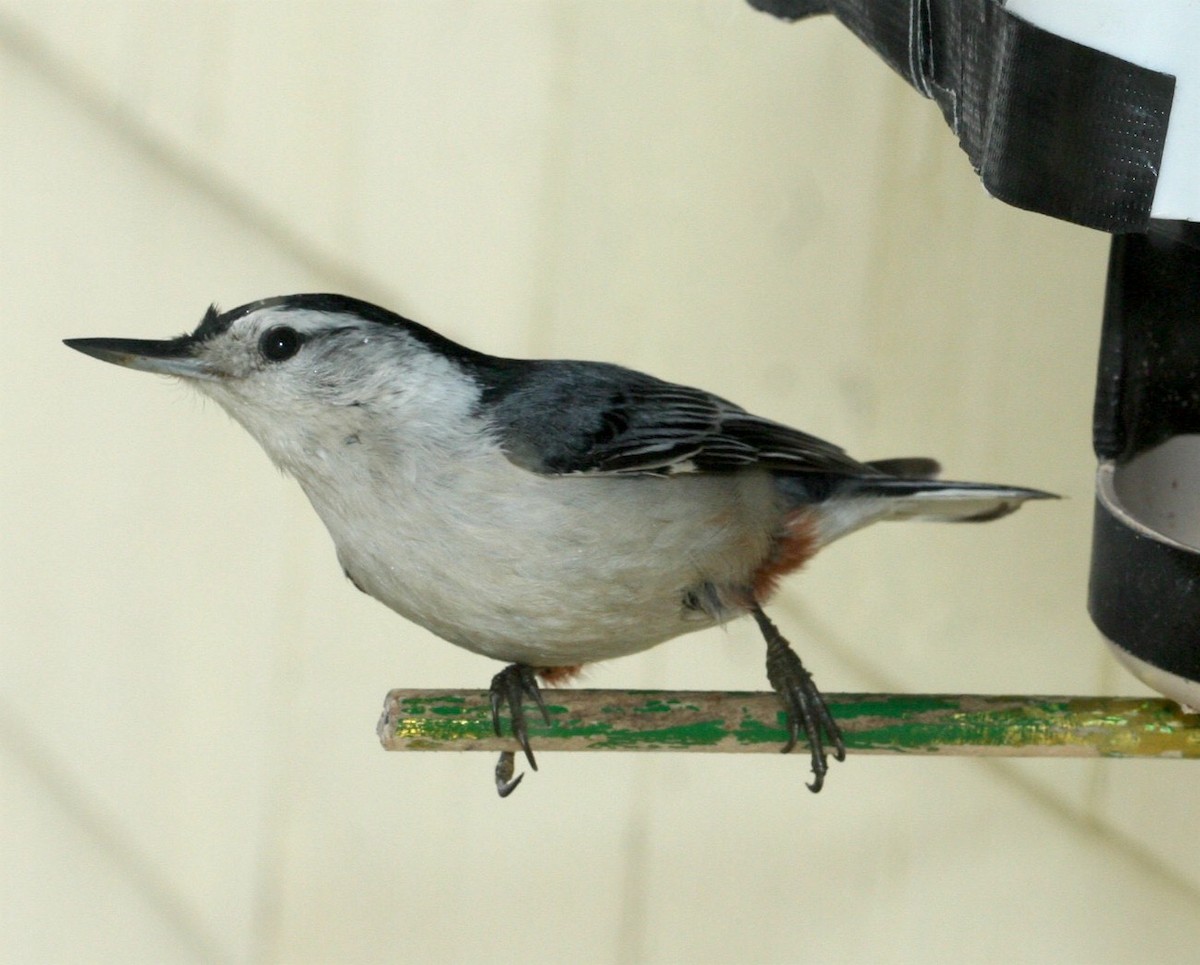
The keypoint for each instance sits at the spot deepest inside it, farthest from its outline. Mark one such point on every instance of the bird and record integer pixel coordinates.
(548, 514)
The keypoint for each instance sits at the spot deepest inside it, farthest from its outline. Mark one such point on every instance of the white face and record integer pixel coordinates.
(310, 353)
(329, 386)
(302, 382)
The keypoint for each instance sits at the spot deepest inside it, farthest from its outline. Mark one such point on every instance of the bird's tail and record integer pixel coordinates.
(945, 500)
(913, 491)
(909, 489)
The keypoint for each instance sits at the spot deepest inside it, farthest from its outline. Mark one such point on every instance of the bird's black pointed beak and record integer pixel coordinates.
(173, 356)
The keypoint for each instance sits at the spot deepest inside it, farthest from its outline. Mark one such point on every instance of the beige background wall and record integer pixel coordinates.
(188, 687)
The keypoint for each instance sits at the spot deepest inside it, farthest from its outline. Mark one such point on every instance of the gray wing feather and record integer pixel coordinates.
(560, 418)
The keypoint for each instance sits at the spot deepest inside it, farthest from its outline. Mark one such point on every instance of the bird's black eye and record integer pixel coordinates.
(279, 343)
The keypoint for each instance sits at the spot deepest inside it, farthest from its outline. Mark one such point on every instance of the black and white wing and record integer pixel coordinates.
(560, 418)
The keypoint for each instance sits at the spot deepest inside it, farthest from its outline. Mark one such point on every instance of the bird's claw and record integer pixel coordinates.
(505, 784)
(802, 703)
(512, 685)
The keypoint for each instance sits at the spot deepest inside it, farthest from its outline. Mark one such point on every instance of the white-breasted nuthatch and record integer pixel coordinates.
(544, 513)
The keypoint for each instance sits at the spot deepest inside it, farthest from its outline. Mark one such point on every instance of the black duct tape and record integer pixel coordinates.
(1049, 124)
(1148, 387)
(1144, 591)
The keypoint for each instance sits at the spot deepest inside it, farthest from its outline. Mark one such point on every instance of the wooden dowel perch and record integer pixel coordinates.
(752, 722)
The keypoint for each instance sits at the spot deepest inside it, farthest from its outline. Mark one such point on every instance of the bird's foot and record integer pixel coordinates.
(802, 702)
(511, 686)
(505, 784)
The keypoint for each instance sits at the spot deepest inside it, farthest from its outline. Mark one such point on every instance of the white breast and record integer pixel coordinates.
(550, 571)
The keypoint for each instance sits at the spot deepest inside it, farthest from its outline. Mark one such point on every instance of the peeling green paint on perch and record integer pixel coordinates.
(633, 720)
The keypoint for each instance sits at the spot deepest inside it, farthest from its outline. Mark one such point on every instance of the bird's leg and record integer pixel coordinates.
(512, 685)
(802, 701)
